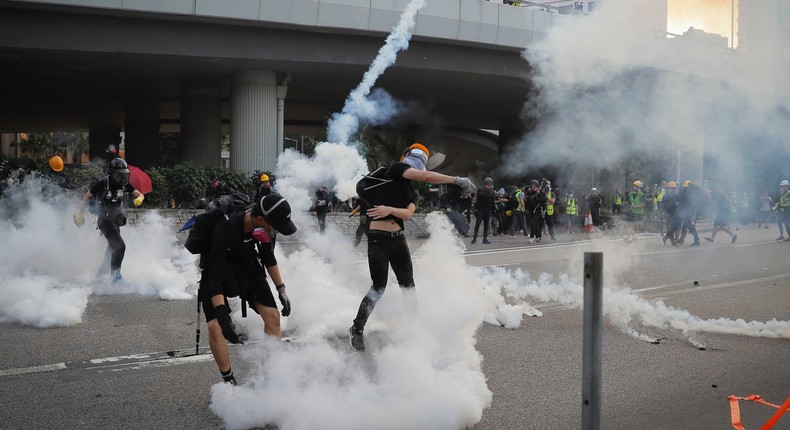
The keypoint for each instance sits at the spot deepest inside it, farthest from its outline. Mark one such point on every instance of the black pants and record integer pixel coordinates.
(116, 247)
(518, 218)
(321, 214)
(384, 251)
(550, 224)
(536, 225)
(485, 218)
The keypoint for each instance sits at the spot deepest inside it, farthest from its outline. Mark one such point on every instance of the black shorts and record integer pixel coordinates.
(245, 281)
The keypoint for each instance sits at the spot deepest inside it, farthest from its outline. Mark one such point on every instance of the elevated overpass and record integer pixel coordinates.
(258, 68)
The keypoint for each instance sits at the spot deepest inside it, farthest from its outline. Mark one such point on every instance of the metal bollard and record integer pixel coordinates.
(593, 340)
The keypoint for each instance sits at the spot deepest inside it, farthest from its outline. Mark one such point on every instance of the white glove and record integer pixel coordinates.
(322, 203)
(465, 183)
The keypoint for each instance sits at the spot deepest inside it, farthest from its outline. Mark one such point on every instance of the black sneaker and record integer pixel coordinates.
(734, 238)
(694, 244)
(709, 239)
(486, 242)
(356, 339)
(780, 238)
(474, 241)
(230, 380)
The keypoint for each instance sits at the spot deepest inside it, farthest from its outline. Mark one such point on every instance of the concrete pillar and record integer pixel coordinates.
(100, 137)
(141, 135)
(253, 121)
(201, 126)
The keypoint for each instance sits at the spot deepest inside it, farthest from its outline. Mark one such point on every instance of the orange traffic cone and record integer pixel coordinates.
(588, 223)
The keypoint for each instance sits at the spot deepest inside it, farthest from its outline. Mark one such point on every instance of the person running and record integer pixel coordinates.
(109, 192)
(240, 255)
(484, 208)
(393, 204)
(723, 207)
(322, 206)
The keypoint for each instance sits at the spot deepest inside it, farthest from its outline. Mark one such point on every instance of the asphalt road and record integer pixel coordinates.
(113, 370)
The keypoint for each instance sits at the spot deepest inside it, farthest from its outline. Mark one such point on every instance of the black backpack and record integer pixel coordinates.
(512, 200)
(202, 228)
(370, 184)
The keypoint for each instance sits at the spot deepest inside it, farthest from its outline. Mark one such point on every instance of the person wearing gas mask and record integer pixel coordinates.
(240, 255)
(106, 198)
(393, 203)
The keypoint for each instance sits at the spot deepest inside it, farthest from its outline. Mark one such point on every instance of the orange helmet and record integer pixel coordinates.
(419, 146)
(672, 184)
(56, 163)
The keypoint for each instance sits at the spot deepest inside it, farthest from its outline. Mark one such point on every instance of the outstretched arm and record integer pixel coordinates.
(437, 178)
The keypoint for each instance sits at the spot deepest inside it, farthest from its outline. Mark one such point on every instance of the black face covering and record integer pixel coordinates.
(120, 178)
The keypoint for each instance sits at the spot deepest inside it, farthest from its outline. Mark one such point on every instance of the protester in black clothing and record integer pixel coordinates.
(669, 204)
(364, 220)
(594, 203)
(687, 211)
(534, 206)
(387, 247)
(323, 201)
(723, 207)
(110, 214)
(241, 247)
(484, 207)
(465, 204)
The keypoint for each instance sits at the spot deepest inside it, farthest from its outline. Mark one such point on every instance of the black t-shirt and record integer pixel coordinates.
(399, 193)
(485, 200)
(110, 194)
(534, 201)
(230, 248)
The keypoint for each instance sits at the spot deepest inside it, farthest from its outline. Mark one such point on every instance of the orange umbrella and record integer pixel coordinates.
(140, 180)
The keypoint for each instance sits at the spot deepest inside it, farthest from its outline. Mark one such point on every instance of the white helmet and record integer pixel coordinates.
(784, 183)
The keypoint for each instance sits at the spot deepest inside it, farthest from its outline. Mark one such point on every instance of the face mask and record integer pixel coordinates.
(416, 159)
(261, 235)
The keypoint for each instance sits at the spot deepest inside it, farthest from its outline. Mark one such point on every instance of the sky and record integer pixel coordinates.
(712, 16)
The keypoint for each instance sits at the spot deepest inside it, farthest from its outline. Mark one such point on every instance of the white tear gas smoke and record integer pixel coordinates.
(608, 91)
(421, 369)
(48, 266)
(627, 310)
(380, 106)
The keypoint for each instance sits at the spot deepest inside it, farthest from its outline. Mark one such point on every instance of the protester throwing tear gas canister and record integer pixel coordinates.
(106, 197)
(240, 254)
(393, 203)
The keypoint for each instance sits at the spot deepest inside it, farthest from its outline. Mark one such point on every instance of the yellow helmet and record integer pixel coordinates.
(56, 163)
(686, 184)
(638, 183)
(264, 177)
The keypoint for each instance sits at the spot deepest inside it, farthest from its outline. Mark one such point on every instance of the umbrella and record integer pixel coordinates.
(140, 180)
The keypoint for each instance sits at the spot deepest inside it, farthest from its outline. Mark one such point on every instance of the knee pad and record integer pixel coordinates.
(375, 294)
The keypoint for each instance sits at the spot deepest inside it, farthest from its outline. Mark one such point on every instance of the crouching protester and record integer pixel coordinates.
(392, 204)
(241, 247)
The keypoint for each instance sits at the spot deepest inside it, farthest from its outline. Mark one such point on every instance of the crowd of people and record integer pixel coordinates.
(671, 208)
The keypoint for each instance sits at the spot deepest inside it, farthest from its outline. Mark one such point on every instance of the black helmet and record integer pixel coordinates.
(119, 171)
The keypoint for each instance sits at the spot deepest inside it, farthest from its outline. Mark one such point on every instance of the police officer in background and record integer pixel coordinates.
(108, 208)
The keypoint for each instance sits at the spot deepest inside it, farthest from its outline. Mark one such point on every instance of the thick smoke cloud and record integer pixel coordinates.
(609, 91)
(48, 266)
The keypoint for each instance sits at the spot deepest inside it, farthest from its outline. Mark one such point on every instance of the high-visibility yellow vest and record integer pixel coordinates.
(785, 196)
(636, 199)
(549, 205)
(570, 206)
(660, 195)
(618, 199)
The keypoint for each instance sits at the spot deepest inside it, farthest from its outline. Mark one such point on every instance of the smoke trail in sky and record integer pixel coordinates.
(48, 265)
(374, 110)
